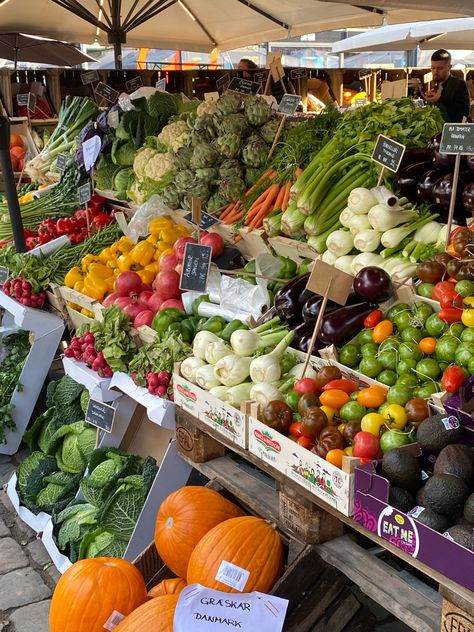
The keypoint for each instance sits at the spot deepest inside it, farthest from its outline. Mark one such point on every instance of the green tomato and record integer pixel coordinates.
(387, 377)
(393, 439)
(349, 355)
(412, 334)
(291, 399)
(464, 288)
(446, 348)
(405, 367)
(468, 335)
(382, 408)
(426, 390)
(402, 320)
(365, 336)
(410, 381)
(369, 350)
(456, 329)
(393, 311)
(410, 351)
(353, 396)
(435, 326)
(389, 359)
(464, 353)
(391, 343)
(352, 411)
(443, 366)
(370, 367)
(428, 369)
(470, 366)
(425, 290)
(422, 311)
(399, 394)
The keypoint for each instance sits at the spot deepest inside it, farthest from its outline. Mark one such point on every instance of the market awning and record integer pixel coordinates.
(450, 34)
(429, 7)
(19, 47)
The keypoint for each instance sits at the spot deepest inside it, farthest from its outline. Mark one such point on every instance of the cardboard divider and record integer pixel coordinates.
(37, 522)
(98, 387)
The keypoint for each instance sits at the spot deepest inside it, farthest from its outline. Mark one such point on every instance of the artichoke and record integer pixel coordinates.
(183, 157)
(234, 124)
(229, 145)
(257, 110)
(205, 123)
(208, 174)
(232, 189)
(171, 197)
(199, 190)
(230, 169)
(228, 103)
(200, 136)
(269, 130)
(216, 201)
(252, 174)
(204, 155)
(184, 180)
(255, 152)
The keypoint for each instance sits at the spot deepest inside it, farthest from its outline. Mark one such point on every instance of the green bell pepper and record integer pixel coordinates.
(249, 267)
(188, 329)
(303, 268)
(291, 399)
(215, 324)
(197, 301)
(288, 268)
(231, 327)
(165, 318)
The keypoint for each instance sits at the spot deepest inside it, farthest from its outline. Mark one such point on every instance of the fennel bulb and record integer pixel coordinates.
(267, 368)
(232, 370)
(358, 223)
(297, 371)
(329, 258)
(219, 391)
(366, 259)
(215, 351)
(383, 218)
(367, 240)
(201, 340)
(345, 217)
(361, 200)
(340, 242)
(238, 394)
(189, 366)
(345, 263)
(205, 377)
(245, 342)
(264, 393)
(429, 233)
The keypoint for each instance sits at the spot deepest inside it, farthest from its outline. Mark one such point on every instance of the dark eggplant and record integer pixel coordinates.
(303, 334)
(468, 199)
(312, 307)
(406, 181)
(415, 156)
(470, 162)
(289, 300)
(343, 324)
(443, 161)
(442, 191)
(434, 144)
(426, 184)
(373, 284)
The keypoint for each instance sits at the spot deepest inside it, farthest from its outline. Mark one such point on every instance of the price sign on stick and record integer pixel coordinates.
(298, 73)
(260, 76)
(133, 84)
(84, 193)
(244, 86)
(389, 154)
(223, 82)
(100, 415)
(89, 77)
(105, 91)
(196, 264)
(61, 162)
(206, 220)
(333, 285)
(287, 106)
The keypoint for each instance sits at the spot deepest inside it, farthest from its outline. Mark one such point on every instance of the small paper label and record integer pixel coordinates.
(450, 423)
(91, 149)
(415, 512)
(113, 621)
(232, 575)
(161, 85)
(449, 536)
(424, 475)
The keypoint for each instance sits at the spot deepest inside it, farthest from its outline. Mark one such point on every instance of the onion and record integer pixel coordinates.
(127, 283)
(110, 299)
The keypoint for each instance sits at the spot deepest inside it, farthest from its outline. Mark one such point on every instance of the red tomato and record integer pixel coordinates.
(306, 385)
(373, 319)
(348, 386)
(440, 288)
(306, 442)
(295, 429)
(366, 445)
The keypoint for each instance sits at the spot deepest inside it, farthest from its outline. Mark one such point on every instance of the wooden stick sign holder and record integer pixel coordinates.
(388, 154)
(196, 215)
(287, 106)
(333, 285)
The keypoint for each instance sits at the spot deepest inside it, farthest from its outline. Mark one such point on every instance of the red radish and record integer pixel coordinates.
(154, 302)
(128, 282)
(173, 302)
(215, 241)
(110, 299)
(180, 245)
(133, 309)
(166, 284)
(160, 391)
(145, 317)
(145, 296)
(168, 262)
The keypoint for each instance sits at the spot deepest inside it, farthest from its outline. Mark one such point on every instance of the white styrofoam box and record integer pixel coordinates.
(222, 417)
(160, 411)
(36, 521)
(98, 387)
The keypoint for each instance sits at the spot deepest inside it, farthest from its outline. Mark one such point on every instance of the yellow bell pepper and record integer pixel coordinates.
(160, 223)
(87, 313)
(170, 235)
(94, 291)
(106, 255)
(98, 270)
(79, 286)
(73, 276)
(125, 263)
(148, 274)
(87, 260)
(122, 246)
(142, 253)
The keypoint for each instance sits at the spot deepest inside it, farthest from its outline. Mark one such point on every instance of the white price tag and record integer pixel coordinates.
(91, 149)
(113, 119)
(113, 621)
(232, 575)
(211, 96)
(201, 609)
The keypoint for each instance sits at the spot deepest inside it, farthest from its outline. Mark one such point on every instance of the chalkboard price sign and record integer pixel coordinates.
(133, 84)
(84, 193)
(100, 415)
(197, 260)
(89, 77)
(457, 138)
(244, 86)
(289, 104)
(388, 153)
(223, 82)
(4, 274)
(261, 76)
(109, 94)
(61, 162)
(22, 99)
(366, 72)
(28, 99)
(206, 220)
(298, 73)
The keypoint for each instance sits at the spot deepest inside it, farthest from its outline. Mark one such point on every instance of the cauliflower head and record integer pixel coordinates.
(206, 107)
(159, 165)
(175, 135)
(141, 161)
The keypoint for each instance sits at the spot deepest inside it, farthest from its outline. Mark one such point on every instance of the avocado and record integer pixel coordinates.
(456, 460)
(463, 535)
(420, 497)
(402, 469)
(435, 433)
(434, 520)
(469, 509)
(445, 494)
(401, 499)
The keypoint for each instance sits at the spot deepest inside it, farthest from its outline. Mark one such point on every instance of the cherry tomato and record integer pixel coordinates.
(453, 378)
(334, 398)
(428, 345)
(372, 397)
(306, 385)
(348, 386)
(373, 319)
(277, 415)
(314, 421)
(335, 457)
(366, 445)
(306, 442)
(382, 331)
(295, 429)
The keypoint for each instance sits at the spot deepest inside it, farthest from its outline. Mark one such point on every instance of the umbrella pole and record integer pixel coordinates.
(10, 188)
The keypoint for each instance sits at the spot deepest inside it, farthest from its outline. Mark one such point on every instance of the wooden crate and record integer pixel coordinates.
(84, 302)
(457, 614)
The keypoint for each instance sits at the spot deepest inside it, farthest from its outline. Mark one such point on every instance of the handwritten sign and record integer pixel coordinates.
(457, 138)
(206, 220)
(223, 82)
(244, 86)
(161, 85)
(388, 153)
(22, 99)
(84, 192)
(365, 72)
(341, 283)
(105, 91)
(28, 99)
(89, 77)
(261, 76)
(4, 274)
(201, 609)
(100, 415)
(133, 84)
(298, 73)
(197, 260)
(61, 162)
(91, 149)
(289, 104)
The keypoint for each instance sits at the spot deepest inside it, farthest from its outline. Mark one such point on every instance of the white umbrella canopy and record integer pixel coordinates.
(19, 47)
(451, 34)
(430, 8)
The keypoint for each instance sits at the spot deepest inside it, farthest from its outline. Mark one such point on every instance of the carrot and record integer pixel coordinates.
(263, 196)
(298, 172)
(265, 208)
(228, 210)
(286, 196)
(250, 216)
(269, 175)
(280, 196)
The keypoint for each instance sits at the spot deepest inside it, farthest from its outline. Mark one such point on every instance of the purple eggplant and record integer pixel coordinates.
(468, 199)
(433, 145)
(415, 156)
(406, 181)
(373, 284)
(289, 300)
(440, 161)
(443, 189)
(426, 184)
(312, 307)
(343, 324)
(303, 334)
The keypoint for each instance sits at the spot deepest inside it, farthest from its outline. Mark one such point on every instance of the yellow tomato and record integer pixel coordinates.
(329, 412)
(395, 416)
(372, 422)
(349, 450)
(467, 317)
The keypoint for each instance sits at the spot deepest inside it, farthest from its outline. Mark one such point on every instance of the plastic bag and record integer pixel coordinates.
(138, 225)
(125, 100)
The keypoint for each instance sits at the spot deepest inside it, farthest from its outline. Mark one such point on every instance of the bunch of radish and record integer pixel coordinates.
(20, 289)
(82, 348)
(158, 383)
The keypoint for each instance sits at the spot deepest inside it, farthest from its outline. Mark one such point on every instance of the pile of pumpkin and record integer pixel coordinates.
(196, 529)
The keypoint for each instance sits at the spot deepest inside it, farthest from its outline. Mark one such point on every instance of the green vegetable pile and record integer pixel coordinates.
(16, 348)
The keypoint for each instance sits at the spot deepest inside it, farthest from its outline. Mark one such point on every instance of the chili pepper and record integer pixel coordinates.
(215, 324)
(451, 315)
(373, 319)
(165, 318)
(229, 329)
(197, 301)
(453, 378)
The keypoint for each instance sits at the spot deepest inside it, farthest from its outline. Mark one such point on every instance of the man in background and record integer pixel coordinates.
(247, 64)
(450, 94)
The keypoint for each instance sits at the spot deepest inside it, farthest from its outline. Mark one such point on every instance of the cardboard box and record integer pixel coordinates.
(36, 521)
(372, 511)
(296, 250)
(219, 415)
(98, 387)
(461, 405)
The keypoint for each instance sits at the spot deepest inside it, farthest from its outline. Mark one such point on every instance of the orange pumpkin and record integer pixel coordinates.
(184, 518)
(171, 586)
(156, 615)
(249, 543)
(90, 590)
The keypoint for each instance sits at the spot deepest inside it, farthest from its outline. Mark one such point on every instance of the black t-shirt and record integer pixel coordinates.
(455, 100)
